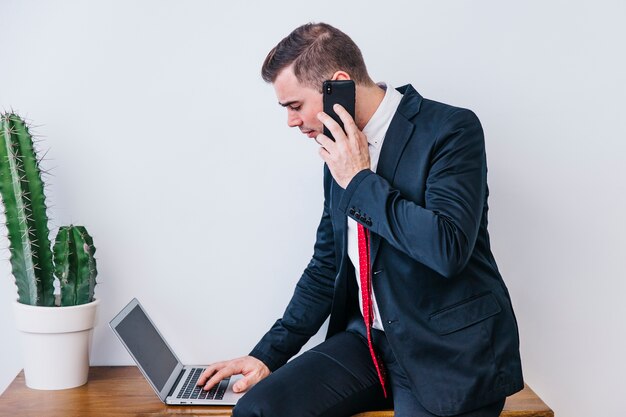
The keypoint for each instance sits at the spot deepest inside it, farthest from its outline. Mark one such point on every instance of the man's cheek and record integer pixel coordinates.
(319, 126)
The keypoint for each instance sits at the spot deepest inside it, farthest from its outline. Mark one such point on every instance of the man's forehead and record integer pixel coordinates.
(289, 89)
(286, 76)
(287, 86)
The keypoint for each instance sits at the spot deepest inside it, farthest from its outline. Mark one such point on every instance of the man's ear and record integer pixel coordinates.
(341, 75)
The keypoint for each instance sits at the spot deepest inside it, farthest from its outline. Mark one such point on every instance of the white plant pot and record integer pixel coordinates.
(56, 343)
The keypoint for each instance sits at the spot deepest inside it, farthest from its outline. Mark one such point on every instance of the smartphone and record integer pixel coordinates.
(338, 91)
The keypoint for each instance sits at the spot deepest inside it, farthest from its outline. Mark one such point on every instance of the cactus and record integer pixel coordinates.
(22, 192)
(23, 196)
(75, 265)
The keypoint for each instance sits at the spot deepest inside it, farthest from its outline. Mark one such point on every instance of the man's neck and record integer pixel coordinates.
(367, 102)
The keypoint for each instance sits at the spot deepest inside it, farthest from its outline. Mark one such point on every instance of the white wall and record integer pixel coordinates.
(172, 151)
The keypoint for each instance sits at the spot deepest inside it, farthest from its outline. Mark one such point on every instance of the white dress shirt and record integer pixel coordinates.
(375, 131)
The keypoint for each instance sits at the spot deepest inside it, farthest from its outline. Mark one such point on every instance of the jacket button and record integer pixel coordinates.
(357, 215)
(352, 212)
(368, 222)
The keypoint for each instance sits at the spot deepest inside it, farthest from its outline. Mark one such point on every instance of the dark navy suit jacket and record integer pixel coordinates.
(444, 306)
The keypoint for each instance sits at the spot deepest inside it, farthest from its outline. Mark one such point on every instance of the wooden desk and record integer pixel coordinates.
(121, 391)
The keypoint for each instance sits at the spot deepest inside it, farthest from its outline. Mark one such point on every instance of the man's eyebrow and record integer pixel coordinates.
(289, 103)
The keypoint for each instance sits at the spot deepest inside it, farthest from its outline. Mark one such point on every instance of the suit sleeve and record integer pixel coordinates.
(440, 234)
(311, 301)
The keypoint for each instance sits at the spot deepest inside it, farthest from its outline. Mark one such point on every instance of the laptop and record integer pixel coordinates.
(173, 382)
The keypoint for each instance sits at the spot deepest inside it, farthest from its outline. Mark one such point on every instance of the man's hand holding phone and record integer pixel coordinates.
(349, 153)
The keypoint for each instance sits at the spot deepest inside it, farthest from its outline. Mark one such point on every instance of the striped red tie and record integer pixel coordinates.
(366, 289)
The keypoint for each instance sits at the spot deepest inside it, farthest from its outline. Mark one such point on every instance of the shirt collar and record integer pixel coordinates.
(379, 122)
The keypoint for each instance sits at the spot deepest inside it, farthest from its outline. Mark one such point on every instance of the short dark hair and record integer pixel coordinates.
(317, 51)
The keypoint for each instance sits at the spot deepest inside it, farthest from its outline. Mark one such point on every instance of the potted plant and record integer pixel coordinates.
(56, 328)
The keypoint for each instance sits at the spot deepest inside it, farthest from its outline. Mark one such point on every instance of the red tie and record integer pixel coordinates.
(366, 289)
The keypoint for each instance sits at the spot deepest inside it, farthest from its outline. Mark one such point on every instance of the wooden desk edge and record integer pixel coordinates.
(525, 403)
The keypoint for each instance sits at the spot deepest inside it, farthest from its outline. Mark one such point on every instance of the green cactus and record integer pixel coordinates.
(75, 265)
(22, 192)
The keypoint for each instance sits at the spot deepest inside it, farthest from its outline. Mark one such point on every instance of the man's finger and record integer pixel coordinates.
(243, 384)
(332, 125)
(325, 155)
(349, 124)
(325, 142)
(217, 377)
(208, 372)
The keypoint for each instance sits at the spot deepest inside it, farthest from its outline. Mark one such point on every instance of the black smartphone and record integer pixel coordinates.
(338, 91)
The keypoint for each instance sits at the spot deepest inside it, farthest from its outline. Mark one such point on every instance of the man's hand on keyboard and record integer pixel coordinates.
(252, 369)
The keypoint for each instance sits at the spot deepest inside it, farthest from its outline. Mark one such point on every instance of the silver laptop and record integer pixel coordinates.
(173, 382)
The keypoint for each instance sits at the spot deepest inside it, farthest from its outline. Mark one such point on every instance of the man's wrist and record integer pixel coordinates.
(271, 365)
(351, 188)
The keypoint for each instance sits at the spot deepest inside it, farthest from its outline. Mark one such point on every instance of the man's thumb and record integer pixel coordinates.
(240, 385)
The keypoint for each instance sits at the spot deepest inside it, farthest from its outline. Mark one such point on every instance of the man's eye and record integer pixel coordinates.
(295, 108)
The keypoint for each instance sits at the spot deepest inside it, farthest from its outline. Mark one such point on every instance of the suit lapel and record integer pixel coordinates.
(396, 138)
(341, 222)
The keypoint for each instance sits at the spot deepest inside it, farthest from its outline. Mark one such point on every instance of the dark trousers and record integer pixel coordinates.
(337, 378)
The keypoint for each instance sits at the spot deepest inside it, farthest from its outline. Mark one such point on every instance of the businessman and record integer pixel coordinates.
(420, 318)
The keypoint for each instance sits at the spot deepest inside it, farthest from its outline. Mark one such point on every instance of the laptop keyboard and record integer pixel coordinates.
(192, 391)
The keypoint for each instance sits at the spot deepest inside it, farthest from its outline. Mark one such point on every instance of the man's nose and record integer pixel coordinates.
(293, 120)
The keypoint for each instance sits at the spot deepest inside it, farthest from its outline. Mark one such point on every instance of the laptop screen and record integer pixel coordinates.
(147, 346)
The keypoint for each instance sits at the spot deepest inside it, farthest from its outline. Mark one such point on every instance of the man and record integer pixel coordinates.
(420, 318)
